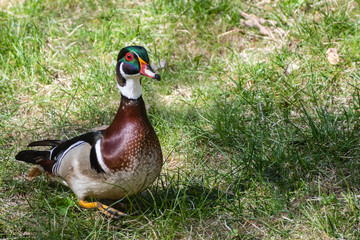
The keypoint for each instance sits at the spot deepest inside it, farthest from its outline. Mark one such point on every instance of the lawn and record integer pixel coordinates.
(258, 120)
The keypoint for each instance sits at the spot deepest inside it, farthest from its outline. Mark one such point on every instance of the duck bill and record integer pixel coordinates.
(146, 70)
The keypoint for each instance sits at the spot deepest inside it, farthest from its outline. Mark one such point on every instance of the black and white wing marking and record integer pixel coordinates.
(90, 138)
(58, 152)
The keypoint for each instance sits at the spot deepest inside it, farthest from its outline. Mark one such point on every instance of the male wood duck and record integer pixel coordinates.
(119, 161)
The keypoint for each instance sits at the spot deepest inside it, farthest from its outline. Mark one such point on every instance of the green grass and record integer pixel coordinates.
(251, 153)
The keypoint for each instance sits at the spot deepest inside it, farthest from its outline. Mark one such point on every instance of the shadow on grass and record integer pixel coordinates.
(187, 199)
(285, 146)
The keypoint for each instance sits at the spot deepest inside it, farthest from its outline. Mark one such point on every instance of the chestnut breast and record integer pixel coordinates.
(130, 138)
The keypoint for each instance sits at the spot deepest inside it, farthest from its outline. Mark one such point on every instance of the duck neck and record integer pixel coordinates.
(130, 111)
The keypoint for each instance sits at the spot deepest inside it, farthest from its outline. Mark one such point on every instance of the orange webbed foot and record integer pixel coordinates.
(108, 211)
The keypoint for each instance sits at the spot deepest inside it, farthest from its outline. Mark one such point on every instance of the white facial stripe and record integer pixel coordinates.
(136, 54)
(132, 88)
(99, 157)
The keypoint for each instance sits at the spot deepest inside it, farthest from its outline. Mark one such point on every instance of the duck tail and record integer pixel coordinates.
(41, 158)
(48, 142)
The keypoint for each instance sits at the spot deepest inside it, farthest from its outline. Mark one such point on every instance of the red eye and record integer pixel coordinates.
(129, 57)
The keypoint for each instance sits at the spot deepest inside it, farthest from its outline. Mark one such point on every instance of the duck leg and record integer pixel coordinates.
(108, 211)
(34, 172)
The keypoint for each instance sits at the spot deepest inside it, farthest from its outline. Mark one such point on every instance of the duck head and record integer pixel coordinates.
(132, 63)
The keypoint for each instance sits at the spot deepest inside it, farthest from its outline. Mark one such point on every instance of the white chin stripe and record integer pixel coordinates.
(99, 157)
(132, 88)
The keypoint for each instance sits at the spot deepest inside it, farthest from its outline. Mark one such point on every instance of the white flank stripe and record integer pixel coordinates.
(99, 156)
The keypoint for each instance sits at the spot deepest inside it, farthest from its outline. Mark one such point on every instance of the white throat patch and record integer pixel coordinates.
(132, 88)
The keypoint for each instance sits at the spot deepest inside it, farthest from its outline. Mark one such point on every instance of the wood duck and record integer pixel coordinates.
(119, 161)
